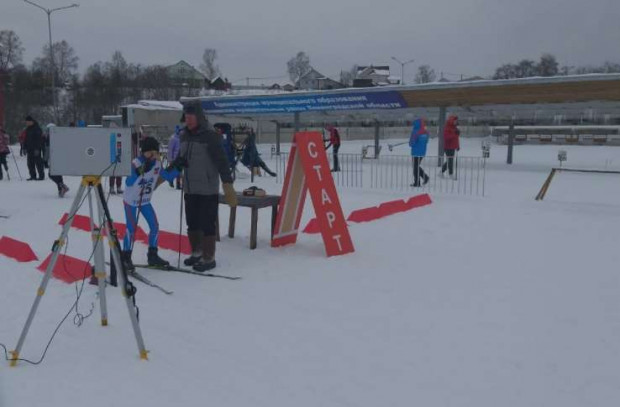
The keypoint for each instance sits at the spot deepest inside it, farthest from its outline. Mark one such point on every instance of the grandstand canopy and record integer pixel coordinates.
(482, 99)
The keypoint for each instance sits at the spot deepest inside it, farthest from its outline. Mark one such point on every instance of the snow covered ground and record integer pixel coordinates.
(494, 301)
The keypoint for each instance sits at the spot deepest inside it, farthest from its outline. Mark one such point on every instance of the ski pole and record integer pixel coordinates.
(16, 166)
(181, 223)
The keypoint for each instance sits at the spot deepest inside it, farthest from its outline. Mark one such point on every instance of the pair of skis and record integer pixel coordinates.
(139, 277)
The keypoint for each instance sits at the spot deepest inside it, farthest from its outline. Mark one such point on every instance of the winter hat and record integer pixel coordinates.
(149, 144)
(195, 109)
(29, 118)
(190, 108)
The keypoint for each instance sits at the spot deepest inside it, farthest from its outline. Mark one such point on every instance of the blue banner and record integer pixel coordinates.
(305, 103)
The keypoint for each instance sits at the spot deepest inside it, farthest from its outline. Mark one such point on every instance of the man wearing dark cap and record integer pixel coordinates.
(34, 145)
(206, 163)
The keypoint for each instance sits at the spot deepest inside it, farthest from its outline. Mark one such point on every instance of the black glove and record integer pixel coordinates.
(179, 163)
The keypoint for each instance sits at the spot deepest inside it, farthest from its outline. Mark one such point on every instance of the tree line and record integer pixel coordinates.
(106, 85)
(102, 88)
(547, 66)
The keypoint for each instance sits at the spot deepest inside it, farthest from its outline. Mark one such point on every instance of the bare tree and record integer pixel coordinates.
(506, 71)
(348, 77)
(298, 66)
(118, 69)
(208, 66)
(526, 69)
(425, 74)
(11, 50)
(65, 61)
(548, 66)
(610, 67)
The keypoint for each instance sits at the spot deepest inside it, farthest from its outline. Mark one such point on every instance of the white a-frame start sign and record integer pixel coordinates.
(308, 171)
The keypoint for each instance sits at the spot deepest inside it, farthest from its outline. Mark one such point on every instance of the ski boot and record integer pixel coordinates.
(63, 190)
(126, 259)
(154, 260)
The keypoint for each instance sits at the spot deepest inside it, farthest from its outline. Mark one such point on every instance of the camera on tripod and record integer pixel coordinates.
(82, 151)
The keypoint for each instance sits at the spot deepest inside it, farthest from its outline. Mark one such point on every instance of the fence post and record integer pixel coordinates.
(277, 138)
(440, 141)
(296, 121)
(511, 141)
(377, 130)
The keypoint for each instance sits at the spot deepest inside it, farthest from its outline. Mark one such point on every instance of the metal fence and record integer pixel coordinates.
(395, 172)
(351, 174)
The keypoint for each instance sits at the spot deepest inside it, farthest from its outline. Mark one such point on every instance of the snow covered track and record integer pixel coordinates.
(470, 301)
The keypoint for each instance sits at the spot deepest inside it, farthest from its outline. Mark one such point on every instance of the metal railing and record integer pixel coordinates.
(395, 172)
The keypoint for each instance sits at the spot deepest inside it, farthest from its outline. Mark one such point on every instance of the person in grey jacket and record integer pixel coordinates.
(203, 156)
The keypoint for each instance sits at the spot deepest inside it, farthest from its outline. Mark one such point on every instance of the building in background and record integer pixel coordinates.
(314, 80)
(374, 75)
(185, 75)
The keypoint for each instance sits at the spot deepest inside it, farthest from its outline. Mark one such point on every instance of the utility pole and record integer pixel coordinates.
(402, 68)
(52, 67)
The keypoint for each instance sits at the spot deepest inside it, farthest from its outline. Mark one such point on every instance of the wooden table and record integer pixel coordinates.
(254, 203)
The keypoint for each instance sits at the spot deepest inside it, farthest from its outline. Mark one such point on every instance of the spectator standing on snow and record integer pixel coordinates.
(451, 134)
(22, 142)
(174, 145)
(251, 157)
(224, 130)
(58, 180)
(418, 142)
(334, 140)
(34, 146)
(4, 151)
(118, 181)
(206, 161)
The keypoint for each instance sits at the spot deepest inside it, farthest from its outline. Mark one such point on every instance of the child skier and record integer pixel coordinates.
(146, 175)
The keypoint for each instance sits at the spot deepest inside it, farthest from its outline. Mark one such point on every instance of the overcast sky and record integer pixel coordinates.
(255, 38)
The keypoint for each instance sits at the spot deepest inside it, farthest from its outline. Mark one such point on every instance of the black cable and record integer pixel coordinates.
(78, 293)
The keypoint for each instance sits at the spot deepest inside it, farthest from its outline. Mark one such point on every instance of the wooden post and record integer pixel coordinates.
(545, 187)
(231, 222)
(253, 228)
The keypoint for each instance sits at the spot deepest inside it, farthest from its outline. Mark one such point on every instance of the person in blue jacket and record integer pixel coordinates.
(418, 142)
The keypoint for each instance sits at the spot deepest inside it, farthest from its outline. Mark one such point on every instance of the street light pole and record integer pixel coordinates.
(402, 68)
(52, 67)
(1, 95)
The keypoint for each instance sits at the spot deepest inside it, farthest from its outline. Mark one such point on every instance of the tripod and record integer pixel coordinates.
(89, 185)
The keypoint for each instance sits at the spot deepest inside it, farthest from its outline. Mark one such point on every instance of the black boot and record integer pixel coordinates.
(126, 259)
(207, 262)
(195, 241)
(154, 259)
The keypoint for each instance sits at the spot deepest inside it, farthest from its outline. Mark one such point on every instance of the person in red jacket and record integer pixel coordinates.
(451, 143)
(334, 140)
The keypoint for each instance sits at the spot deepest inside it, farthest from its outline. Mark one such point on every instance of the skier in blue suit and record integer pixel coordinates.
(418, 142)
(146, 175)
